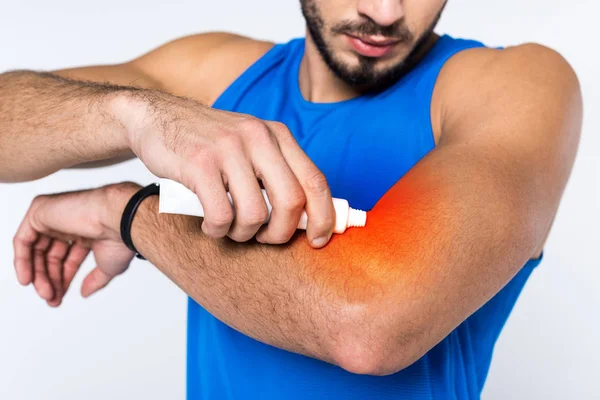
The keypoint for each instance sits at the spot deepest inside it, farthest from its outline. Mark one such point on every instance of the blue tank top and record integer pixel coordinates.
(363, 146)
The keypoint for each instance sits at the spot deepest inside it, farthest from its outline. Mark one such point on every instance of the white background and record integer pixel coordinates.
(128, 342)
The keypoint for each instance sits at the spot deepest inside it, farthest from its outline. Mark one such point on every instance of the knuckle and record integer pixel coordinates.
(323, 223)
(295, 201)
(54, 259)
(70, 265)
(283, 134)
(251, 124)
(211, 232)
(220, 219)
(19, 238)
(316, 183)
(238, 237)
(280, 128)
(281, 238)
(255, 128)
(36, 203)
(325, 219)
(35, 220)
(254, 217)
(39, 251)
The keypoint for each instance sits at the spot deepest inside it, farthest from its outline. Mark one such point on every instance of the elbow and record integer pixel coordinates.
(370, 361)
(376, 343)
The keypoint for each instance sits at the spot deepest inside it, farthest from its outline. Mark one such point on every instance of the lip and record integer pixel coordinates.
(372, 46)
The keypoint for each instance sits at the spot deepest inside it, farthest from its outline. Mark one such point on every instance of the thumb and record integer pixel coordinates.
(94, 281)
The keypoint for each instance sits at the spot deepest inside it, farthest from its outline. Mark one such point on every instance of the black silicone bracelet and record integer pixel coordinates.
(129, 214)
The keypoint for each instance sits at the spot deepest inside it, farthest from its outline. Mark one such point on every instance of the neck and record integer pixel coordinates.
(318, 84)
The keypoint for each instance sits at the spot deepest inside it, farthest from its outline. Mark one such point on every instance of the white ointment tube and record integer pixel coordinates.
(178, 199)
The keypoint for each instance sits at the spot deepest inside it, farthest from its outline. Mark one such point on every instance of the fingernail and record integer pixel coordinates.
(320, 241)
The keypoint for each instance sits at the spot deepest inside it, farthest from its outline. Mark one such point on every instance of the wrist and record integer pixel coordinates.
(115, 198)
(144, 225)
(113, 109)
(131, 109)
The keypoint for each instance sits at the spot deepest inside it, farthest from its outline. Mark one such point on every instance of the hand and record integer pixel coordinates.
(60, 230)
(212, 151)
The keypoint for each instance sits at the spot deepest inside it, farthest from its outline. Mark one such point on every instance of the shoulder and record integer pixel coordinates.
(533, 64)
(481, 83)
(201, 66)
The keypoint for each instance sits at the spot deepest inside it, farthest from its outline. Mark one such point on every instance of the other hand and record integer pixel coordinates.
(59, 231)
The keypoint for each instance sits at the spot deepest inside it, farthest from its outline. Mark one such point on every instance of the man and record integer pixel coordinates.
(461, 153)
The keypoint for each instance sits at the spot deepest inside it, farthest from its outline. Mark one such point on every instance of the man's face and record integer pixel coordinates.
(370, 43)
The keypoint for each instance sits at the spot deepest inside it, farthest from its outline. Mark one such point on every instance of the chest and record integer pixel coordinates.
(361, 153)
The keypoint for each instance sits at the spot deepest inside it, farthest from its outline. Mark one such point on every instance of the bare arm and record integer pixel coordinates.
(54, 120)
(157, 107)
(48, 123)
(437, 246)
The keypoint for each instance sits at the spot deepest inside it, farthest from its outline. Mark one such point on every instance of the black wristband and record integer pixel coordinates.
(129, 214)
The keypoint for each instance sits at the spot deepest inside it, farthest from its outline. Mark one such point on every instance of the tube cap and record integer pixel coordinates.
(356, 218)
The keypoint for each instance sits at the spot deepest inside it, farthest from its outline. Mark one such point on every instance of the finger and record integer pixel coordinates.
(54, 263)
(94, 281)
(23, 243)
(208, 185)
(250, 207)
(284, 192)
(77, 255)
(319, 204)
(41, 281)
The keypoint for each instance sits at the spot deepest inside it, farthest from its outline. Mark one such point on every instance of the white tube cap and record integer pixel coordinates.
(356, 218)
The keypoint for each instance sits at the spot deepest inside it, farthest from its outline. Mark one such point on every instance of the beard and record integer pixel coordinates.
(365, 74)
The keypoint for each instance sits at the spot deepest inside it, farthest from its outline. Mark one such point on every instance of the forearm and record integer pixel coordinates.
(333, 304)
(48, 123)
(267, 292)
(376, 298)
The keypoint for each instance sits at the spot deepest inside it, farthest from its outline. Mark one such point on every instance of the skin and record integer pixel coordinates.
(331, 24)
(446, 238)
(104, 114)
